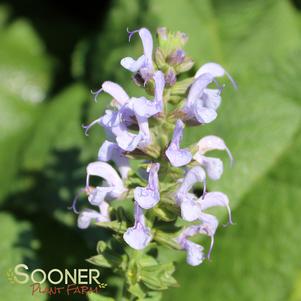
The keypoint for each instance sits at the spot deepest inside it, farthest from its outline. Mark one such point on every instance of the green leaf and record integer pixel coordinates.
(100, 260)
(248, 119)
(58, 127)
(258, 259)
(25, 77)
(158, 277)
(25, 68)
(136, 290)
(17, 246)
(107, 259)
(16, 121)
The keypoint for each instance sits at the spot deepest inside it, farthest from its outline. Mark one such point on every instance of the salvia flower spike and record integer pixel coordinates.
(169, 180)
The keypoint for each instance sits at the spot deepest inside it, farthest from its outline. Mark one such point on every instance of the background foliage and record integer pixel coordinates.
(51, 55)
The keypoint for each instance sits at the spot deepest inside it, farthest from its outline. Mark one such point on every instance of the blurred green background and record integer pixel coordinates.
(53, 52)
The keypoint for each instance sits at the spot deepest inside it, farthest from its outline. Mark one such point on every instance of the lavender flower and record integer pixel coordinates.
(190, 208)
(194, 175)
(202, 102)
(138, 236)
(144, 64)
(131, 110)
(208, 224)
(213, 166)
(213, 199)
(195, 254)
(178, 157)
(115, 90)
(190, 211)
(113, 188)
(147, 197)
(199, 107)
(88, 215)
(142, 109)
(120, 97)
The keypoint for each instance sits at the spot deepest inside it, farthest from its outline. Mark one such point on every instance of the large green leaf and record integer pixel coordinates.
(16, 247)
(58, 126)
(259, 42)
(249, 119)
(25, 77)
(15, 124)
(25, 68)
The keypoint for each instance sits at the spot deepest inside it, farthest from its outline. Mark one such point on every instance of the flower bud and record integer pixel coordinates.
(170, 76)
(185, 66)
(162, 34)
(176, 57)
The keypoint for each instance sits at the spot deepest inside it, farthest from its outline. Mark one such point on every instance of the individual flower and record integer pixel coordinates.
(116, 128)
(202, 102)
(115, 90)
(111, 151)
(112, 188)
(88, 215)
(138, 236)
(214, 199)
(147, 197)
(195, 254)
(147, 108)
(194, 175)
(192, 207)
(200, 106)
(144, 64)
(213, 166)
(132, 111)
(177, 156)
(120, 98)
(142, 109)
(190, 210)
